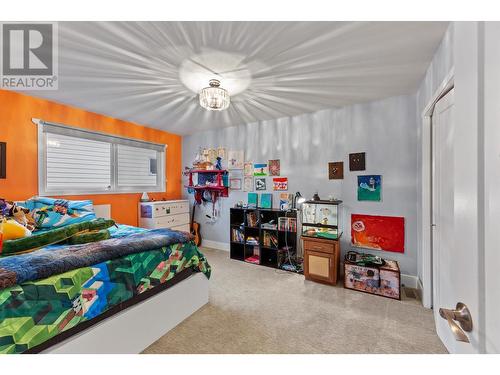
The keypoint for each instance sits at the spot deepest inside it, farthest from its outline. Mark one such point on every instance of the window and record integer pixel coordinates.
(77, 161)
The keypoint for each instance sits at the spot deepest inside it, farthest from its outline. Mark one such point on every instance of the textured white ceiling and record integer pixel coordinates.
(150, 72)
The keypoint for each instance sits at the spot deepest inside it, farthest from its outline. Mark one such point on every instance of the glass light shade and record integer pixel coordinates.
(214, 97)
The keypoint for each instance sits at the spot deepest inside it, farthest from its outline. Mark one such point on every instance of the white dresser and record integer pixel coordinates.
(164, 214)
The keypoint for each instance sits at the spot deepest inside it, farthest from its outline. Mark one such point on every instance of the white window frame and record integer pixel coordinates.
(45, 127)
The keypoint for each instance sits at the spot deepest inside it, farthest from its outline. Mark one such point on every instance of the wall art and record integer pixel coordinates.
(266, 200)
(260, 169)
(221, 153)
(260, 184)
(370, 188)
(336, 170)
(253, 200)
(280, 183)
(357, 161)
(235, 159)
(248, 169)
(235, 183)
(274, 167)
(378, 232)
(248, 183)
(212, 155)
(286, 201)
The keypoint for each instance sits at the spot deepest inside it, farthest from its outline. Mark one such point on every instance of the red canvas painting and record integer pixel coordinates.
(378, 232)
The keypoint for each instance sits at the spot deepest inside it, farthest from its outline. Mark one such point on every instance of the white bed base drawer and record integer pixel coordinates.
(135, 328)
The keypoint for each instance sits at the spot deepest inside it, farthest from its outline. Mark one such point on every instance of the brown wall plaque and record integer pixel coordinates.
(357, 161)
(336, 170)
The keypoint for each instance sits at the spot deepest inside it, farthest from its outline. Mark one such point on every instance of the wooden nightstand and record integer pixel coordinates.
(321, 259)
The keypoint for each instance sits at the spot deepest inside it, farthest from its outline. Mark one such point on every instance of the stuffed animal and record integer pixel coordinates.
(22, 216)
(5, 207)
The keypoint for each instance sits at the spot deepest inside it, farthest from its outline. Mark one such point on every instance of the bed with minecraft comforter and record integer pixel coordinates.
(54, 291)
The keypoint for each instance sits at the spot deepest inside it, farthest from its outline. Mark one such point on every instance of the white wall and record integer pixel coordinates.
(439, 68)
(386, 130)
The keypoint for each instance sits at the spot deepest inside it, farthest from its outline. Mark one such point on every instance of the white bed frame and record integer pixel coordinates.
(132, 330)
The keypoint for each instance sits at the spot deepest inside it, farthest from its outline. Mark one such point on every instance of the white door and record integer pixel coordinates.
(491, 185)
(453, 266)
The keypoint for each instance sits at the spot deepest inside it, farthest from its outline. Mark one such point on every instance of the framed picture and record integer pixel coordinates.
(235, 183)
(235, 159)
(253, 200)
(260, 184)
(336, 170)
(248, 183)
(3, 160)
(286, 201)
(357, 161)
(378, 232)
(280, 183)
(260, 169)
(266, 201)
(274, 167)
(370, 188)
(248, 169)
(221, 153)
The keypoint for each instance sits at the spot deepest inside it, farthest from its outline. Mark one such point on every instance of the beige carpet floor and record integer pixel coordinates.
(255, 309)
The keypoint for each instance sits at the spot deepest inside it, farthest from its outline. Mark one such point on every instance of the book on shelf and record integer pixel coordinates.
(288, 224)
(270, 240)
(237, 236)
(252, 220)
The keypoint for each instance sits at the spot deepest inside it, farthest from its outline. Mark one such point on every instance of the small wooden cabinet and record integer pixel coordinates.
(321, 259)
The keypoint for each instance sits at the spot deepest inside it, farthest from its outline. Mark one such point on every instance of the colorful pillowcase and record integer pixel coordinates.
(53, 213)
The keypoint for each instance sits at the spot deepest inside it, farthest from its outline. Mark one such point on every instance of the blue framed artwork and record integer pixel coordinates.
(370, 188)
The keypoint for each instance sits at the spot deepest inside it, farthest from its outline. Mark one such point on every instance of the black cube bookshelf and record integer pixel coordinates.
(274, 232)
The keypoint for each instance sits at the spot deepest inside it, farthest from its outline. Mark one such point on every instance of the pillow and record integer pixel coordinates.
(51, 213)
(12, 230)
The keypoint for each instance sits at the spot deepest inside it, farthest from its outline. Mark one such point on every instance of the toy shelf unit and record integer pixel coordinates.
(267, 237)
(321, 219)
(214, 180)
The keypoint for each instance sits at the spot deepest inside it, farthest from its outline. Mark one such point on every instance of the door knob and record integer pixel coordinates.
(461, 314)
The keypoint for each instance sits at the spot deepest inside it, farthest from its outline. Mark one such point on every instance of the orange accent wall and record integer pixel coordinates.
(16, 128)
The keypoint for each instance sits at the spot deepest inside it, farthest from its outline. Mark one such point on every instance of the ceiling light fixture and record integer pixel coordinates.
(214, 97)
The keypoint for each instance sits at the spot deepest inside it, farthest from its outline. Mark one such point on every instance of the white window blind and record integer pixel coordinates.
(75, 161)
(134, 166)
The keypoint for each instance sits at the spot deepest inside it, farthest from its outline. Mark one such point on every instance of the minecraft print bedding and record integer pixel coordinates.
(35, 312)
(52, 213)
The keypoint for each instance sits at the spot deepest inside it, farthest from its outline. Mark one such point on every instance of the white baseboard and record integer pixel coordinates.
(409, 281)
(215, 245)
(420, 289)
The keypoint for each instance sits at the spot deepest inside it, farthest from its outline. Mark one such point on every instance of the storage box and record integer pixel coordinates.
(384, 280)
